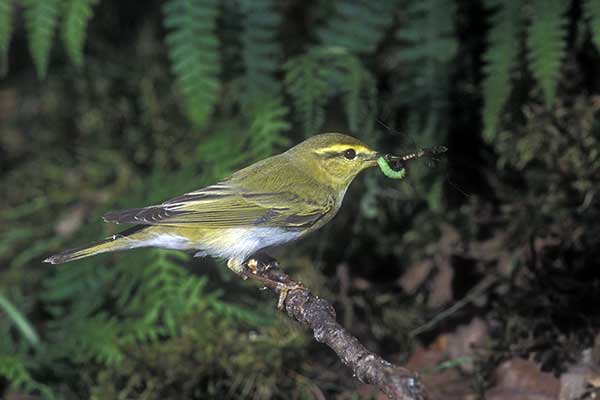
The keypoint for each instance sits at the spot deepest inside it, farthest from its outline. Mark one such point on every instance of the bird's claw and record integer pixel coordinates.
(284, 289)
(252, 265)
(257, 266)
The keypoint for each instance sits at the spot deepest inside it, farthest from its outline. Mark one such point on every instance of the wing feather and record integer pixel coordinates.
(222, 205)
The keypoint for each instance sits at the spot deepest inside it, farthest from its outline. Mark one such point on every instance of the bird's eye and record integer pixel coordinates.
(350, 154)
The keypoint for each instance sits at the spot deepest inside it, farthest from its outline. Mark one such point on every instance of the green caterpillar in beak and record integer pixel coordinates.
(388, 171)
(384, 161)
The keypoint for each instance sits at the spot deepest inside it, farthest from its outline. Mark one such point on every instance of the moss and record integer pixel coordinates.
(213, 358)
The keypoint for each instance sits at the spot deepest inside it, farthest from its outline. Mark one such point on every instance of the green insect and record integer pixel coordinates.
(398, 168)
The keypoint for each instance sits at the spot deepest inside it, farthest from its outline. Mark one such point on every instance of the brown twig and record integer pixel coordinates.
(318, 315)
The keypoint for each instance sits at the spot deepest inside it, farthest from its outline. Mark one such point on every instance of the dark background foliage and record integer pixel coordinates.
(111, 104)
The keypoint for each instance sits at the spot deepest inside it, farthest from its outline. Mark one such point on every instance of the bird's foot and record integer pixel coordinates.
(256, 268)
(284, 289)
(261, 263)
(252, 265)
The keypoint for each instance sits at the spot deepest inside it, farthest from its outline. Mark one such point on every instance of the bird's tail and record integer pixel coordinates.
(121, 241)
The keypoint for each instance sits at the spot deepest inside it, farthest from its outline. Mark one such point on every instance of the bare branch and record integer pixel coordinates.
(318, 315)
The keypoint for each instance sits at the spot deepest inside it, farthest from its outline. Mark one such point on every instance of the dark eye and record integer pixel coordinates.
(350, 154)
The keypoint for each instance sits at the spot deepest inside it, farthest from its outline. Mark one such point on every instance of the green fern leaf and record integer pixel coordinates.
(161, 294)
(84, 334)
(41, 18)
(6, 15)
(164, 293)
(268, 123)
(75, 20)
(194, 54)
(359, 94)
(591, 9)
(95, 339)
(234, 311)
(428, 29)
(546, 43)
(261, 52)
(223, 153)
(14, 369)
(81, 279)
(358, 25)
(429, 47)
(306, 82)
(324, 72)
(500, 60)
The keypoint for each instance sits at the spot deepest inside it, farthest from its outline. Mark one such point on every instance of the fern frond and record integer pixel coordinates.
(358, 25)
(194, 54)
(306, 82)
(500, 59)
(268, 123)
(82, 279)
(158, 294)
(161, 294)
(41, 17)
(359, 94)
(14, 369)
(591, 9)
(75, 20)
(428, 28)
(84, 335)
(546, 43)
(95, 338)
(223, 153)
(6, 27)
(233, 311)
(430, 45)
(261, 52)
(313, 78)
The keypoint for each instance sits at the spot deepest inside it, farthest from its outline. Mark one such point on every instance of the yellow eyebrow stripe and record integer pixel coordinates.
(339, 148)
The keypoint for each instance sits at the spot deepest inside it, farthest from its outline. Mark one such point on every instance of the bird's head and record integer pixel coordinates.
(334, 158)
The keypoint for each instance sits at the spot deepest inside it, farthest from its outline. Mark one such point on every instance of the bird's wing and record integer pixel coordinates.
(222, 205)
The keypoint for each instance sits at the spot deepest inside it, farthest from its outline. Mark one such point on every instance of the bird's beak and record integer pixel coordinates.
(371, 160)
(396, 163)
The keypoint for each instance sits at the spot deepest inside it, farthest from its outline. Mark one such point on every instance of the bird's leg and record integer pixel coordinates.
(259, 268)
(237, 266)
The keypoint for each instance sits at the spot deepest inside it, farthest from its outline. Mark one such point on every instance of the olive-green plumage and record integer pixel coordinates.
(271, 202)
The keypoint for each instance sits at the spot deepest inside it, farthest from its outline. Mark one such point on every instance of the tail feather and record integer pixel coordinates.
(121, 241)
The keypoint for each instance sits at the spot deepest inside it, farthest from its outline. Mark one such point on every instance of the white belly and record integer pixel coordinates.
(239, 243)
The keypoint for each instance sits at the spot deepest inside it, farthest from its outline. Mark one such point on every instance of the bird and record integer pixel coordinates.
(272, 202)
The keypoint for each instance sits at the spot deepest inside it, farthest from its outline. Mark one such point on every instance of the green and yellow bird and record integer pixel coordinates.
(269, 203)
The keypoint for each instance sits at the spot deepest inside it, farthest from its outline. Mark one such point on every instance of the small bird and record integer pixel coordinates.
(269, 203)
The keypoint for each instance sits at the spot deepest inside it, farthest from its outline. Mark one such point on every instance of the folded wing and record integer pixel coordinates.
(220, 206)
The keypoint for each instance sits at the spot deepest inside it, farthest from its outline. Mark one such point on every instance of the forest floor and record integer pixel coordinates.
(504, 329)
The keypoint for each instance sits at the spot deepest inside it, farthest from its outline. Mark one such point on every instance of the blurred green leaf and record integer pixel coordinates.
(20, 321)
